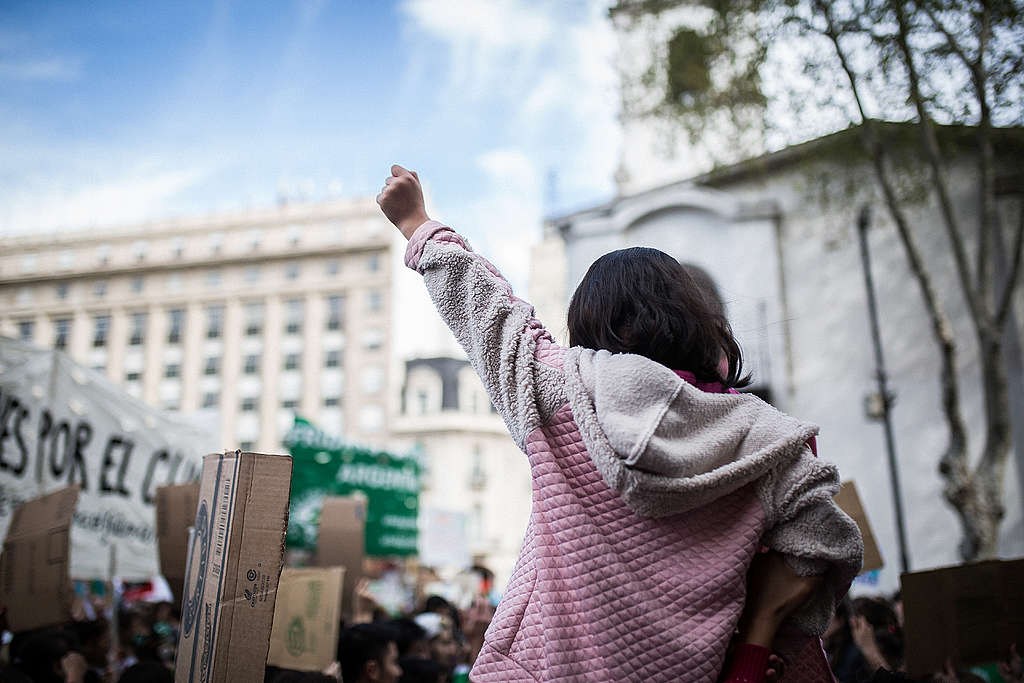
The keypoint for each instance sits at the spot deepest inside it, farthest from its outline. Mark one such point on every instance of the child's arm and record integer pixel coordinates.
(514, 355)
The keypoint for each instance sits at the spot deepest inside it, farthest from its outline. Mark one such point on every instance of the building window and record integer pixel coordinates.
(212, 366)
(293, 316)
(332, 401)
(61, 332)
(335, 312)
(333, 359)
(252, 364)
(249, 404)
(175, 325)
(253, 319)
(252, 274)
(246, 446)
(371, 418)
(178, 247)
(137, 284)
(214, 321)
(289, 403)
(213, 278)
(333, 266)
(101, 327)
(139, 249)
(24, 297)
(211, 399)
(174, 282)
(255, 239)
(373, 379)
(373, 340)
(132, 376)
(291, 361)
(294, 235)
(99, 289)
(138, 334)
(66, 259)
(373, 262)
(26, 330)
(62, 290)
(103, 254)
(374, 300)
(172, 370)
(291, 271)
(28, 263)
(171, 404)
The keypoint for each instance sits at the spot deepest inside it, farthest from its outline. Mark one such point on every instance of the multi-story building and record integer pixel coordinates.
(259, 314)
(471, 464)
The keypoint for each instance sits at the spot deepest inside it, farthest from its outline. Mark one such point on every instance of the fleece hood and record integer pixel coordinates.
(666, 446)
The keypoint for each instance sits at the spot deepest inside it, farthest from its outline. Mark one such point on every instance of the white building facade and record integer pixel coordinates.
(257, 315)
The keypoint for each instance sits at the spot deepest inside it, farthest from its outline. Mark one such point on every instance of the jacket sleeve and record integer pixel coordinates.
(814, 535)
(513, 354)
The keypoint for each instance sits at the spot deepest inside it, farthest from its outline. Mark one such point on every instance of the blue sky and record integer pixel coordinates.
(117, 112)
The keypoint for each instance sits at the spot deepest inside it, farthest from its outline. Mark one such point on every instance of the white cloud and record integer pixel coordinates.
(50, 69)
(126, 199)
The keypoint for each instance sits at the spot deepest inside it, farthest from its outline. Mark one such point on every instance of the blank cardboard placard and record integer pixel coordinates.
(849, 502)
(306, 618)
(235, 555)
(34, 581)
(175, 513)
(970, 613)
(341, 542)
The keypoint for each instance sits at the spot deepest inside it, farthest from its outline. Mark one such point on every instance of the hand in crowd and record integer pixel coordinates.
(1012, 669)
(74, 667)
(864, 637)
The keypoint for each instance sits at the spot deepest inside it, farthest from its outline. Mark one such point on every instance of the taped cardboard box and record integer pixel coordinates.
(34, 581)
(235, 555)
(341, 542)
(306, 618)
(849, 502)
(971, 614)
(175, 514)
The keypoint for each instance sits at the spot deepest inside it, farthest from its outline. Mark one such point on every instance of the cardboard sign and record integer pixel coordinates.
(235, 555)
(175, 513)
(306, 619)
(971, 614)
(341, 542)
(34, 581)
(849, 502)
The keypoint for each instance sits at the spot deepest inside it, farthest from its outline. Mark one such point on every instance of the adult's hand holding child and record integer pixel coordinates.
(401, 200)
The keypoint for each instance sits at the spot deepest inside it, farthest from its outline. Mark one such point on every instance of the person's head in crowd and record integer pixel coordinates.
(368, 654)
(40, 654)
(886, 627)
(437, 605)
(897, 606)
(444, 648)
(410, 638)
(167, 612)
(147, 672)
(421, 670)
(94, 641)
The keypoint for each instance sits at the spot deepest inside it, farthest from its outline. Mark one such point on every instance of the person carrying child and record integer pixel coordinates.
(655, 484)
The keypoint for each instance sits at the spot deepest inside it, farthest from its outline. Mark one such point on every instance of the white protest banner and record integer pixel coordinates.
(64, 424)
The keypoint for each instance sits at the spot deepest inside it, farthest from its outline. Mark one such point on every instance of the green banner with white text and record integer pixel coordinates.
(325, 466)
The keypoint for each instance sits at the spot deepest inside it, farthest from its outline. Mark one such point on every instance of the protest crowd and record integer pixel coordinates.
(433, 644)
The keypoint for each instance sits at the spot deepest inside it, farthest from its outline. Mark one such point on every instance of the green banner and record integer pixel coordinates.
(325, 466)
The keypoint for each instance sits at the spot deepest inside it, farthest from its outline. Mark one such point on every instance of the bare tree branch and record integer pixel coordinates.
(1003, 309)
(950, 39)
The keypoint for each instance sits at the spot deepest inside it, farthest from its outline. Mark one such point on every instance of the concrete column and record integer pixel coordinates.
(273, 327)
(231, 369)
(81, 335)
(312, 354)
(156, 327)
(116, 344)
(191, 362)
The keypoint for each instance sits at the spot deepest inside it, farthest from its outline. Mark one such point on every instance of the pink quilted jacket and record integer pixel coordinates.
(650, 499)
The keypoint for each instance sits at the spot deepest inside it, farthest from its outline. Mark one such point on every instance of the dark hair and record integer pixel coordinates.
(641, 300)
(147, 672)
(407, 632)
(418, 670)
(360, 644)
